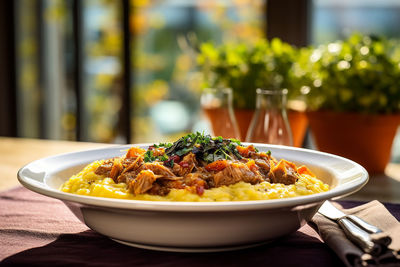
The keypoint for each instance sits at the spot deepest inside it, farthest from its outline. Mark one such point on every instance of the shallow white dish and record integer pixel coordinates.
(194, 226)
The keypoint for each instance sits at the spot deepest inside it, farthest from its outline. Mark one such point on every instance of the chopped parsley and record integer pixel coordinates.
(205, 147)
(149, 156)
(165, 145)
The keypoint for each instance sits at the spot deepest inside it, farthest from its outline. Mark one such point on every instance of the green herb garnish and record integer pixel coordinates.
(205, 147)
(149, 157)
(165, 145)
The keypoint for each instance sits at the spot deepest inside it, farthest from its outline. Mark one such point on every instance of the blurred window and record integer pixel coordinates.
(336, 19)
(55, 38)
(27, 60)
(167, 34)
(102, 52)
(45, 96)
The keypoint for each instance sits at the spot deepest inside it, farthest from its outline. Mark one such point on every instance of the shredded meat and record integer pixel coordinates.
(116, 169)
(193, 178)
(127, 161)
(176, 169)
(126, 177)
(158, 169)
(143, 182)
(135, 165)
(159, 177)
(234, 173)
(159, 189)
(162, 186)
(187, 165)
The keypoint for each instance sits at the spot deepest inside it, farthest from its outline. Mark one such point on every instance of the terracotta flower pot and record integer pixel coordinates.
(366, 139)
(298, 122)
(243, 118)
(221, 123)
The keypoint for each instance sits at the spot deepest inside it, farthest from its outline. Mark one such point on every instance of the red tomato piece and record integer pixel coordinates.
(184, 164)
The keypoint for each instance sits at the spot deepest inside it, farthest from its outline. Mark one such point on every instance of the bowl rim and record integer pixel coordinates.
(40, 186)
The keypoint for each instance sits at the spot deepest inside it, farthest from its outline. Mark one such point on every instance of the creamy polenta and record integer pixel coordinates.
(88, 183)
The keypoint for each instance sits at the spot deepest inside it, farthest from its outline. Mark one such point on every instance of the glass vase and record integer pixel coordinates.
(217, 105)
(270, 122)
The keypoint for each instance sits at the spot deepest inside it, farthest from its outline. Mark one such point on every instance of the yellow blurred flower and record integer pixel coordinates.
(140, 3)
(27, 48)
(68, 121)
(103, 80)
(113, 43)
(138, 23)
(101, 133)
(55, 12)
(155, 92)
(184, 62)
(157, 21)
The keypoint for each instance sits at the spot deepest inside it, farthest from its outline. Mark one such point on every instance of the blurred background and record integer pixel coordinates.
(125, 71)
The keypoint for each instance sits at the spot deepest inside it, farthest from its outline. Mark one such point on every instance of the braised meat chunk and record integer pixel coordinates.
(284, 172)
(105, 168)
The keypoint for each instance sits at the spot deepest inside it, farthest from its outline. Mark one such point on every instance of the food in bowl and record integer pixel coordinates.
(196, 167)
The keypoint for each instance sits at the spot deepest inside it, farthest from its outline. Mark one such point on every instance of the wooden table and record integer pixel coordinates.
(16, 152)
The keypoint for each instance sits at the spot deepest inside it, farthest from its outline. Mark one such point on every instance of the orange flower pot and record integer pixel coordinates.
(366, 139)
(221, 122)
(298, 124)
(243, 118)
(297, 120)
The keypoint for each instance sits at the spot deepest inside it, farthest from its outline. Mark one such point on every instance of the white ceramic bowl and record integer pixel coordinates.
(194, 226)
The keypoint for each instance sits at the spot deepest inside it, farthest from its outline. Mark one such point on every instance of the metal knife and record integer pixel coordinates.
(356, 229)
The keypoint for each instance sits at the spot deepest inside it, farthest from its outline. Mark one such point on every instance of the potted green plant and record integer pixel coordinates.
(353, 97)
(246, 67)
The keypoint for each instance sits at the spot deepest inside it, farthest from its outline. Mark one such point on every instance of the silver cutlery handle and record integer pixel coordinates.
(384, 240)
(363, 224)
(359, 236)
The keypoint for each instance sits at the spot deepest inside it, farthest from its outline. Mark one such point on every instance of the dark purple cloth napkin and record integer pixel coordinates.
(39, 231)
